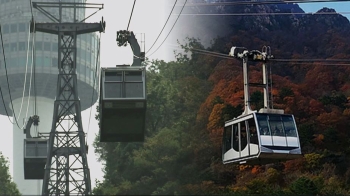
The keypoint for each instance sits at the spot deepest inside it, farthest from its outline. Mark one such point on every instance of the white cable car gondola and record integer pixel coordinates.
(259, 137)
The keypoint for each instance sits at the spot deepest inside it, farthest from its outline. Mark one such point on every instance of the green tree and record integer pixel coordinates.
(163, 163)
(7, 186)
(304, 186)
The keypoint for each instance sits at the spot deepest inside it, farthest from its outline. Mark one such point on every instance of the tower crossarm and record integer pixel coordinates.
(66, 28)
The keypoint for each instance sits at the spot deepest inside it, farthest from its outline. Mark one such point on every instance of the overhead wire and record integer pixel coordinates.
(3, 100)
(31, 8)
(163, 27)
(34, 81)
(25, 80)
(94, 83)
(170, 29)
(262, 2)
(7, 79)
(270, 13)
(226, 56)
(34, 68)
(131, 15)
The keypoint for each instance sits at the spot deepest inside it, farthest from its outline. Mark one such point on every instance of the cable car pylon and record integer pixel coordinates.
(66, 170)
(264, 136)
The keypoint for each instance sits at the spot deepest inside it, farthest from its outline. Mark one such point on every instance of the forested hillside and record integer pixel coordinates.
(190, 99)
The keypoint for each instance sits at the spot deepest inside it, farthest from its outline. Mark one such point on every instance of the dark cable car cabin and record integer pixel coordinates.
(35, 155)
(35, 152)
(261, 138)
(123, 104)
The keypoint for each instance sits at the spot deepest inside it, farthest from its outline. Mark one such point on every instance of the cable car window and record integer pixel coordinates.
(236, 138)
(289, 126)
(277, 129)
(42, 149)
(263, 125)
(113, 76)
(252, 131)
(276, 125)
(228, 138)
(30, 149)
(133, 89)
(113, 90)
(133, 76)
(243, 135)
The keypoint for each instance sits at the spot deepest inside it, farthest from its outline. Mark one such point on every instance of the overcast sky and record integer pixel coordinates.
(149, 17)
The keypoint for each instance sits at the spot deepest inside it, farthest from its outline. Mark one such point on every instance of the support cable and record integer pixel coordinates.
(30, 79)
(170, 29)
(131, 15)
(262, 2)
(225, 56)
(25, 80)
(94, 83)
(7, 79)
(34, 81)
(31, 8)
(270, 13)
(163, 27)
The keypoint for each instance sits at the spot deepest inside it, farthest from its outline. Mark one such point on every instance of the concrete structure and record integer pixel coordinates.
(15, 16)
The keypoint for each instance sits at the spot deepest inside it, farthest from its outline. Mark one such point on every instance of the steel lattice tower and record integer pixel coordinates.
(66, 170)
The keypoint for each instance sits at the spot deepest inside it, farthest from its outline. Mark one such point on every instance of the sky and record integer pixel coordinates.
(148, 17)
(338, 6)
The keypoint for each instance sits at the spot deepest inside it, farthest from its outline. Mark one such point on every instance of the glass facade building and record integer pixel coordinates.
(15, 16)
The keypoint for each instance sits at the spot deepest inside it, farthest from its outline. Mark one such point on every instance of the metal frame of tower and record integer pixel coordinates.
(66, 170)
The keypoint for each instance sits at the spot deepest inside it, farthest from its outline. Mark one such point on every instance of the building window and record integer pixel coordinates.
(87, 72)
(38, 61)
(13, 28)
(47, 62)
(54, 62)
(13, 47)
(38, 45)
(82, 54)
(21, 46)
(6, 29)
(6, 47)
(47, 46)
(54, 47)
(12, 62)
(82, 69)
(22, 61)
(21, 27)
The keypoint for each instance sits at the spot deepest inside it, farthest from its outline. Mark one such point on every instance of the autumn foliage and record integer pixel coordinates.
(190, 99)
